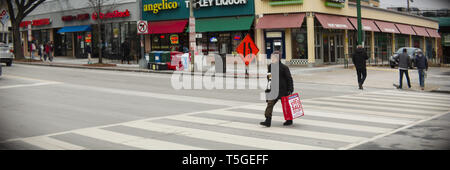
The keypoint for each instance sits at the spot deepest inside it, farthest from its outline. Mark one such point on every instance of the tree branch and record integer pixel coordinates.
(34, 5)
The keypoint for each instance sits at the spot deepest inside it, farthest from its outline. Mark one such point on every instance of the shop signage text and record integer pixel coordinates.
(109, 15)
(209, 3)
(38, 22)
(337, 25)
(78, 17)
(164, 5)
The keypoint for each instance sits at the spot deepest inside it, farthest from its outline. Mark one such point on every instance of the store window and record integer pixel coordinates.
(401, 41)
(318, 46)
(299, 44)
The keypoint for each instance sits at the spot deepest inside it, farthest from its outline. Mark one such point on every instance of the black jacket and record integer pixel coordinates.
(286, 84)
(359, 58)
(421, 62)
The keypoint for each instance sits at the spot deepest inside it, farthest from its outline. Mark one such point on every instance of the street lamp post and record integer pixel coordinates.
(192, 33)
(360, 32)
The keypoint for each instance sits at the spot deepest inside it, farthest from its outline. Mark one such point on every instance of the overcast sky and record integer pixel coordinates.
(421, 4)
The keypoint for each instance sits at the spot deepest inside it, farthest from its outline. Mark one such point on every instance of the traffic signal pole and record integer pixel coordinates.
(360, 32)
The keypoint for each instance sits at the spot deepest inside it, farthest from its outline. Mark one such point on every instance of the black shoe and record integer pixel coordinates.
(287, 123)
(360, 87)
(267, 123)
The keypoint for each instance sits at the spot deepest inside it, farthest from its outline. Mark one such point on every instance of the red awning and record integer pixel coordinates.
(387, 27)
(421, 31)
(165, 27)
(368, 25)
(433, 33)
(405, 29)
(334, 22)
(280, 21)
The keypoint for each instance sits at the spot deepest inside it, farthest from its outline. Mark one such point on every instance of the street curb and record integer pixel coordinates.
(120, 69)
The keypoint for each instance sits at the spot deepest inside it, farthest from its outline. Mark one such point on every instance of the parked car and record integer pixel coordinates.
(393, 60)
(6, 54)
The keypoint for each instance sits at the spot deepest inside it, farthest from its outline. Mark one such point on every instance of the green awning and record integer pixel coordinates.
(443, 21)
(223, 24)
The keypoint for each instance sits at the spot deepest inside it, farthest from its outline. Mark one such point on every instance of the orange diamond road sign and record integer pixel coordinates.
(246, 48)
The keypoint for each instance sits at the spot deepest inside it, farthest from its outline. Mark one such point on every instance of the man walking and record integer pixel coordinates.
(359, 60)
(281, 80)
(403, 65)
(125, 51)
(422, 64)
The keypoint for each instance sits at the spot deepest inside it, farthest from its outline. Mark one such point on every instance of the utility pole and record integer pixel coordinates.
(192, 33)
(360, 31)
(407, 8)
(141, 36)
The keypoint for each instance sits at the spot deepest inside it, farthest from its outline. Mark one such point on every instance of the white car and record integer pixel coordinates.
(6, 54)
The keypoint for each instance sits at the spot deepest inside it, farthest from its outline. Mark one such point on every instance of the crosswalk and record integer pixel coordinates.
(329, 123)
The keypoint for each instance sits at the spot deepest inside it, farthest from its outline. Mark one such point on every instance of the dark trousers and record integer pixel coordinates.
(401, 78)
(269, 109)
(361, 73)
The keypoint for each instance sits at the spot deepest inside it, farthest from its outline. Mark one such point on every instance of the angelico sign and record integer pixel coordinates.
(210, 3)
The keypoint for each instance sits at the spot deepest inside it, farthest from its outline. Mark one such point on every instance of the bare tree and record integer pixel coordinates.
(98, 7)
(18, 10)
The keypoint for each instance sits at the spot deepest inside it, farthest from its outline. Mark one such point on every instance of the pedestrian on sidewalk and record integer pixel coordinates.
(280, 80)
(404, 62)
(88, 52)
(47, 51)
(125, 51)
(50, 54)
(40, 51)
(359, 60)
(32, 49)
(421, 64)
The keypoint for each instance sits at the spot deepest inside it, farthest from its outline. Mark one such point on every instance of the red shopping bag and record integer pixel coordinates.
(292, 107)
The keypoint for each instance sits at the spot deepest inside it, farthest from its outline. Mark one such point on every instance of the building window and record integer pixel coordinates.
(318, 46)
(299, 44)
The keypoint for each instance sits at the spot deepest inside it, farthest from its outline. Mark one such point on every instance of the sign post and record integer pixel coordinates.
(192, 38)
(247, 50)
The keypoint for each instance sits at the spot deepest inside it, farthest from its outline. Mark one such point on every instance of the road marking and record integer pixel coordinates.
(392, 132)
(223, 137)
(387, 105)
(29, 85)
(48, 143)
(417, 111)
(134, 141)
(202, 100)
(422, 104)
(309, 122)
(303, 133)
(415, 95)
(369, 112)
(433, 102)
(377, 118)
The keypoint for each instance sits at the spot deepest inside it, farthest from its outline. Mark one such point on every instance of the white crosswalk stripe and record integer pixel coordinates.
(310, 122)
(222, 137)
(134, 141)
(347, 120)
(48, 143)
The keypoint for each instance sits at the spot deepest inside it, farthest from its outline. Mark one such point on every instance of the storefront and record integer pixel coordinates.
(316, 32)
(220, 26)
(71, 31)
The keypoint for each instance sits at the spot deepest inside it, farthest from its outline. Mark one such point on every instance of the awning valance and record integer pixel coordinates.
(433, 33)
(405, 29)
(334, 22)
(166, 27)
(368, 25)
(421, 31)
(81, 28)
(387, 27)
(224, 24)
(280, 21)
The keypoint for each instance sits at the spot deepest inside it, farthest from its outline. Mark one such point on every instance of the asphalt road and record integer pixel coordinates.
(61, 108)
